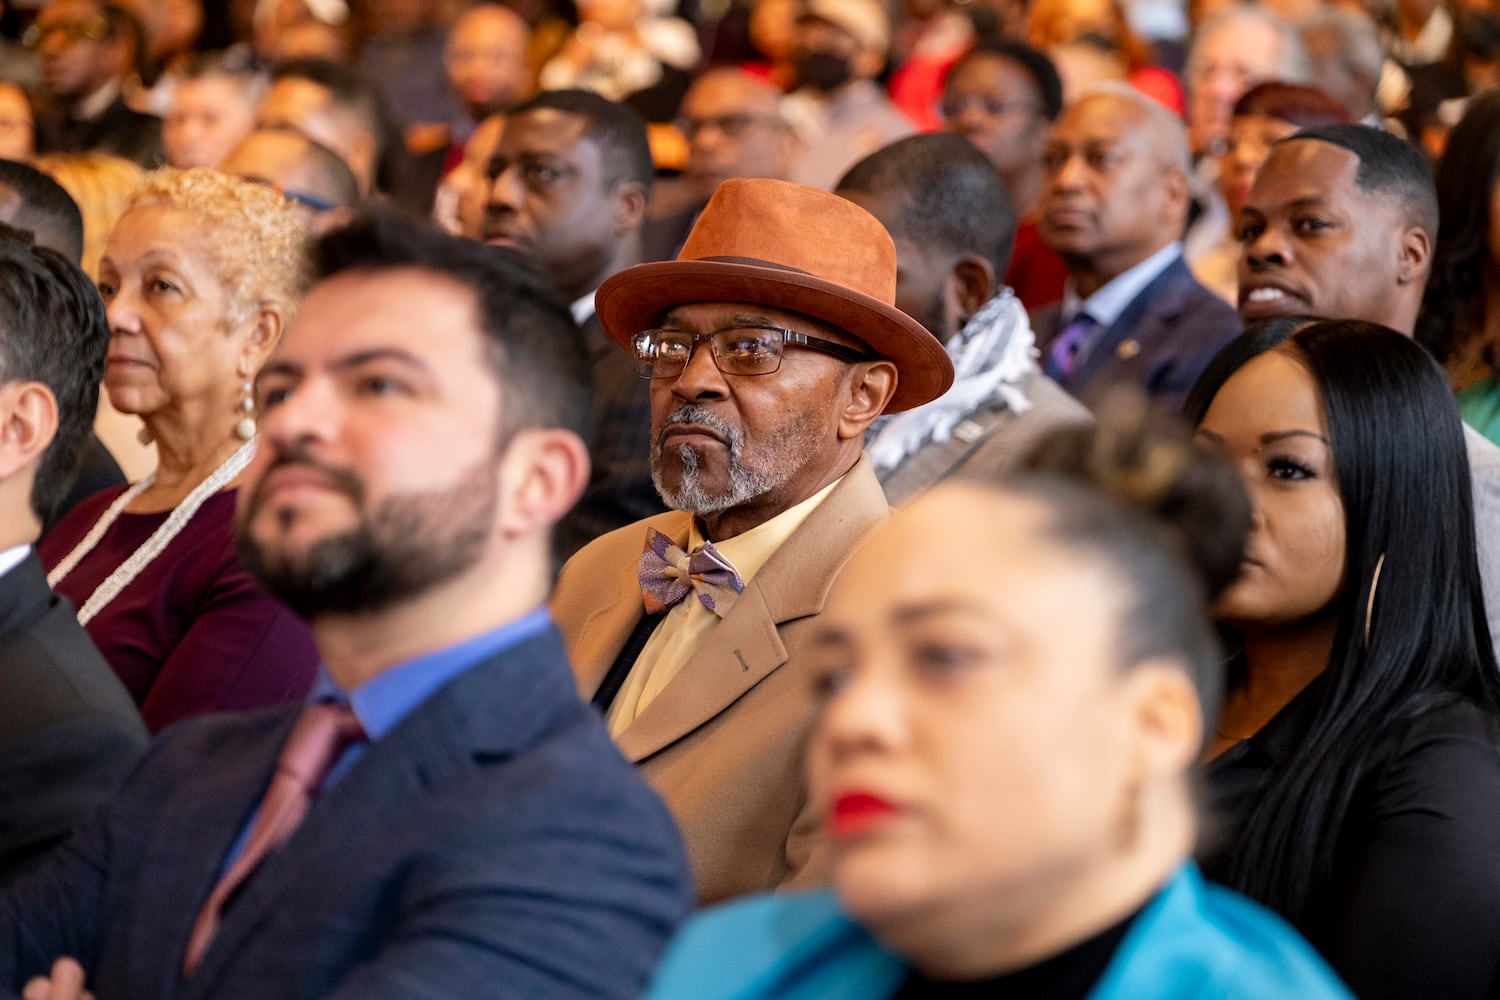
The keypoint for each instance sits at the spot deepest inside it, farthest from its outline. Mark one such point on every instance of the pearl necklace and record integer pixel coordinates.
(128, 570)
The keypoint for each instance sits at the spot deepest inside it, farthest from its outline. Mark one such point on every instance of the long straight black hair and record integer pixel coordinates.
(1403, 475)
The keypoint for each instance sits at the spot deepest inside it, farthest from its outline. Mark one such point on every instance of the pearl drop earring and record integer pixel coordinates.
(245, 429)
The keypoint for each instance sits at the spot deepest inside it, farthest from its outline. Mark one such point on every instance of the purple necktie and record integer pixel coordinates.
(667, 574)
(321, 734)
(1063, 357)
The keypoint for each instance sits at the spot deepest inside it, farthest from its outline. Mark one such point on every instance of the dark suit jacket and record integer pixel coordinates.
(98, 472)
(69, 732)
(620, 489)
(493, 844)
(1160, 343)
(119, 131)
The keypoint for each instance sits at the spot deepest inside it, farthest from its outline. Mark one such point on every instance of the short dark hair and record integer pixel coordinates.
(1388, 167)
(332, 180)
(952, 196)
(1028, 60)
(352, 94)
(535, 348)
(44, 209)
(617, 129)
(52, 330)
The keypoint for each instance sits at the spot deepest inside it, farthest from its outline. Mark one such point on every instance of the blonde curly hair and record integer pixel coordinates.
(247, 232)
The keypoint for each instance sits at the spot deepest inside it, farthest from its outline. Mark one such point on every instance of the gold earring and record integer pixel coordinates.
(1370, 604)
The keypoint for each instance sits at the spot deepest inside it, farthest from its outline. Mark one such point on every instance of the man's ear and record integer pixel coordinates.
(871, 386)
(1416, 256)
(973, 283)
(28, 423)
(630, 207)
(1179, 194)
(542, 474)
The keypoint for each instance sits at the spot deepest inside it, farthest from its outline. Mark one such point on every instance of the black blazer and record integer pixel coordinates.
(1160, 343)
(68, 729)
(494, 843)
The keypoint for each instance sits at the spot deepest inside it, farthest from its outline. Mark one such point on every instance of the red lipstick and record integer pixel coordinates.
(855, 812)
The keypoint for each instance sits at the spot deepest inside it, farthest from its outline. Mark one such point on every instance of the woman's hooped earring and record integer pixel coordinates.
(1370, 604)
(245, 428)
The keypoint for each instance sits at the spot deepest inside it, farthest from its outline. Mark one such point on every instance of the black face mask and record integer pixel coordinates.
(821, 71)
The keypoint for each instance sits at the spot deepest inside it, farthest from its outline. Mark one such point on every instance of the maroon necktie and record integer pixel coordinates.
(321, 735)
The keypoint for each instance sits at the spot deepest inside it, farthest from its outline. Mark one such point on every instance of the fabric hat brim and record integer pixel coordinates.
(636, 298)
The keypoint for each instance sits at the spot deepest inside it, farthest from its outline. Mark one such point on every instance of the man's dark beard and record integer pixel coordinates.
(408, 544)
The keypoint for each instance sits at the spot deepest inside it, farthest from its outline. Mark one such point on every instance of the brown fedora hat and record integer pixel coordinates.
(790, 247)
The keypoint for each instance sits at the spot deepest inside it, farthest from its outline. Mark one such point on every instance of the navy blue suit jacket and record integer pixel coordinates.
(493, 844)
(1160, 343)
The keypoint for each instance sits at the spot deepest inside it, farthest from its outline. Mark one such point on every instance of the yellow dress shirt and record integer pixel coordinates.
(686, 624)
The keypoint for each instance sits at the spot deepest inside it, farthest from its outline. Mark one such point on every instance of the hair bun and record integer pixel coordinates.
(1150, 463)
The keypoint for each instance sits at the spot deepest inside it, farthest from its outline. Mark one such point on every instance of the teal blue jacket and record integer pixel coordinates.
(1194, 941)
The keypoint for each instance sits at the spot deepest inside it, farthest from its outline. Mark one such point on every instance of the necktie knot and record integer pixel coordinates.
(667, 574)
(1063, 358)
(322, 733)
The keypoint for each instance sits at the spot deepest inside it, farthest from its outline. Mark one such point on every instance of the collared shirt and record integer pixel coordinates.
(583, 309)
(95, 104)
(13, 557)
(1109, 301)
(381, 702)
(689, 622)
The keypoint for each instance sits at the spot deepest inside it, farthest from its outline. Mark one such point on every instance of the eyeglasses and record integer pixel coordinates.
(733, 126)
(737, 350)
(953, 107)
(94, 29)
(313, 202)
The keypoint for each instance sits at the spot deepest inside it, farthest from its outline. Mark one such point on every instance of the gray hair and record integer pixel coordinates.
(1358, 37)
(1293, 63)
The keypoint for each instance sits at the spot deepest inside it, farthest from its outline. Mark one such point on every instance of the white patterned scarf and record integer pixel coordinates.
(992, 355)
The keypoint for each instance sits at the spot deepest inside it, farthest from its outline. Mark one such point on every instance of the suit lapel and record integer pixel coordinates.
(24, 595)
(739, 651)
(491, 711)
(745, 647)
(937, 460)
(1158, 303)
(605, 630)
(196, 831)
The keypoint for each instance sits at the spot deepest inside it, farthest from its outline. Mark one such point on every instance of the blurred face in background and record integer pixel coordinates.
(17, 135)
(994, 103)
(208, 118)
(1225, 63)
(486, 59)
(734, 128)
(1246, 148)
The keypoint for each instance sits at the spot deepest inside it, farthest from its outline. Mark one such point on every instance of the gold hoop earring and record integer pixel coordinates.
(1370, 604)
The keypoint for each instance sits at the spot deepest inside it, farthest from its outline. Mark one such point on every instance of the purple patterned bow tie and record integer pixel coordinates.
(667, 573)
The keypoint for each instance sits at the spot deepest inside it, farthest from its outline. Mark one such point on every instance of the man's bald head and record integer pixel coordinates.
(486, 59)
(735, 128)
(1115, 184)
(314, 178)
(1169, 137)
